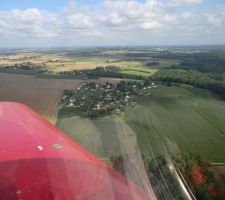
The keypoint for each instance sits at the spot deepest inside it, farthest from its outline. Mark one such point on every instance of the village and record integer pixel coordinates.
(93, 100)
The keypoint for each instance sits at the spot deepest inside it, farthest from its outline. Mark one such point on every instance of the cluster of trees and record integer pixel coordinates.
(165, 185)
(138, 54)
(191, 77)
(25, 65)
(163, 182)
(24, 69)
(210, 62)
(198, 177)
(152, 63)
(111, 72)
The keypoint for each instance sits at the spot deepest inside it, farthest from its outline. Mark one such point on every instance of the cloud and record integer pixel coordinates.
(134, 14)
(94, 34)
(80, 21)
(117, 22)
(112, 19)
(26, 23)
(187, 1)
(214, 20)
(151, 25)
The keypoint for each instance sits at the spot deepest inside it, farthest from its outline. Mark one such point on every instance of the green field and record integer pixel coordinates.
(105, 137)
(140, 69)
(174, 119)
(180, 118)
(166, 64)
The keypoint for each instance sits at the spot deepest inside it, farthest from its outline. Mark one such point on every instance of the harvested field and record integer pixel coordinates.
(42, 95)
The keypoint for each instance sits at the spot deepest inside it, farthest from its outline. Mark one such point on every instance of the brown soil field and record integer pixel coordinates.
(40, 94)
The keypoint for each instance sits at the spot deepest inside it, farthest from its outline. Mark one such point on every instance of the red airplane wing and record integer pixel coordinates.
(39, 162)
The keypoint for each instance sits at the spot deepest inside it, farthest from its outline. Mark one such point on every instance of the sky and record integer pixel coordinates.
(75, 23)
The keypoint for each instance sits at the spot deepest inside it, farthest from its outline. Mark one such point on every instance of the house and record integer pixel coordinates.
(118, 111)
(108, 98)
(147, 94)
(71, 105)
(64, 97)
(98, 106)
(72, 100)
(112, 103)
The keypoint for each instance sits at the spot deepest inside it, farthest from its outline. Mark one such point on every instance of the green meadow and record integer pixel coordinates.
(180, 119)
